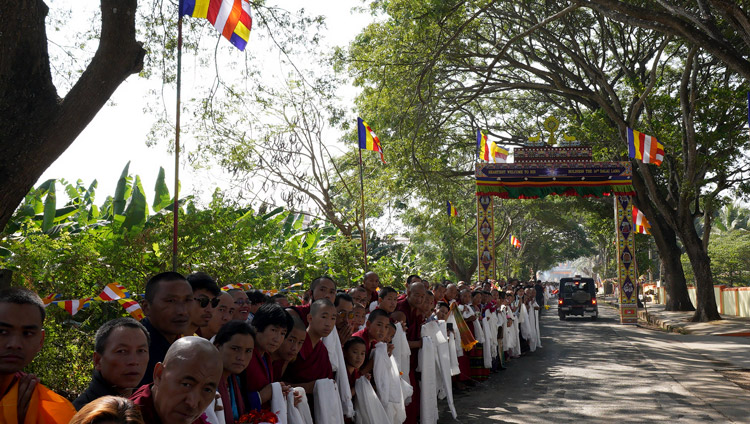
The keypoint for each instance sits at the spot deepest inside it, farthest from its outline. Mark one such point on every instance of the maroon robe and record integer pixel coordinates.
(369, 342)
(258, 375)
(414, 322)
(312, 364)
(143, 398)
(303, 311)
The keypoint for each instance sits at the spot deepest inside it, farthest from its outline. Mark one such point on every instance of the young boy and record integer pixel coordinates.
(354, 355)
(312, 361)
(374, 332)
(289, 349)
(387, 299)
(359, 313)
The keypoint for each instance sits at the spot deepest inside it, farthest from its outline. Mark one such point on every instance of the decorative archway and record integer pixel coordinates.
(539, 172)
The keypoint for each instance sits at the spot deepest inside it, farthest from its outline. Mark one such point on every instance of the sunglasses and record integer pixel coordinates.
(204, 301)
(347, 314)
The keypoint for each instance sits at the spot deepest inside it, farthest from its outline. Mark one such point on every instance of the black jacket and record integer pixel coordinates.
(98, 387)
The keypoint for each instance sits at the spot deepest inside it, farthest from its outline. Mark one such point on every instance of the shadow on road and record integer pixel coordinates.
(590, 371)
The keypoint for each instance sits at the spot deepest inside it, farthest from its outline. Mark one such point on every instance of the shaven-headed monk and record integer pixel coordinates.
(321, 288)
(374, 332)
(289, 349)
(184, 384)
(312, 361)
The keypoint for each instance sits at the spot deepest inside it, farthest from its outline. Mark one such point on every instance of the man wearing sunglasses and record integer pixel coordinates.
(205, 293)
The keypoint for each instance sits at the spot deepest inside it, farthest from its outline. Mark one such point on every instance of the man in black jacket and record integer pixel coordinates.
(120, 360)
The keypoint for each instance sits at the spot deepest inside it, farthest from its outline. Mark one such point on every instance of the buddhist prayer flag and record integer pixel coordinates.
(489, 151)
(451, 209)
(232, 18)
(48, 299)
(515, 242)
(641, 223)
(367, 138)
(467, 340)
(644, 148)
(73, 306)
(132, 307)
(113, 291)
(501, 154)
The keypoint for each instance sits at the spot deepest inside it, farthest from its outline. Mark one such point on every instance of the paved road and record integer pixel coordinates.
(601, 371)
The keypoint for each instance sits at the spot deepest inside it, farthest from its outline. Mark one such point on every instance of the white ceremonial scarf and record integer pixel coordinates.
(388, 383)
(336, 356)
(327, 402)
(437, 332)
(278, 403)
(523, 317)
(532, 328)
(294, 414)
(428, 395)
(459, 350)
(401, 351)
(538, 334)
(211, 416)
(368, 406)
(488, 336)
(299, 414)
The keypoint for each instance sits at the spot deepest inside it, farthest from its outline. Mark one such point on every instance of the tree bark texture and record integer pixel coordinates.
(677, 298)
(36, 125)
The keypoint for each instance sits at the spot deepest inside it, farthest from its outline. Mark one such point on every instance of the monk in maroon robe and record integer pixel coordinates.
(374, 332)
(411, 307)
(166, 401)
(312, 361)
(321, 288)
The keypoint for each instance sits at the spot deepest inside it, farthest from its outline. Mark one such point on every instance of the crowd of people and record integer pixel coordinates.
(367, 355)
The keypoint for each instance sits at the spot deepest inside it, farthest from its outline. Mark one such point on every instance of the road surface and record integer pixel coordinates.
(601, 371)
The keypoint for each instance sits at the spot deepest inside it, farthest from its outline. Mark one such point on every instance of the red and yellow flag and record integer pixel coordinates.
(467, 340)
(367, 138)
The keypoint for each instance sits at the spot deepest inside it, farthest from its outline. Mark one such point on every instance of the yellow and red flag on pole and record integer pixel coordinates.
(451, 209)
(644, 147)
(641, 223)
(367, 138)
(515, 242)
(232, 18)
(489, 150)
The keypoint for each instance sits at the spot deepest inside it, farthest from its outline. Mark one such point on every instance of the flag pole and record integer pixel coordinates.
(362, 198)
(175, 207)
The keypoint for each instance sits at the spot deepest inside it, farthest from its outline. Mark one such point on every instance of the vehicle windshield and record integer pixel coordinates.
(571, 286)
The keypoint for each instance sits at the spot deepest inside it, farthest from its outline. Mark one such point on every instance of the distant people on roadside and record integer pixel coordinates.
(120, 360)
(205, 298)
(167, 306)
(185, 383)
(109, 410)
(21, 338)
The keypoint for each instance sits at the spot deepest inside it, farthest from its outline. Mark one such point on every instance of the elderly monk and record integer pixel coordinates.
(184, 384)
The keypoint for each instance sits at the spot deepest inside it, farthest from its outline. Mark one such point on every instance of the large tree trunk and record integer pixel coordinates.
(667, 248)
(36, 125)
(706, 309)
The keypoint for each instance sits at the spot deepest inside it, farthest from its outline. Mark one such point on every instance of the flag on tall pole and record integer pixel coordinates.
(644, 147)
(451, 209)
(501, 154)
(515, 242)
(641, 223)
(367, 138)
(232, 18)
